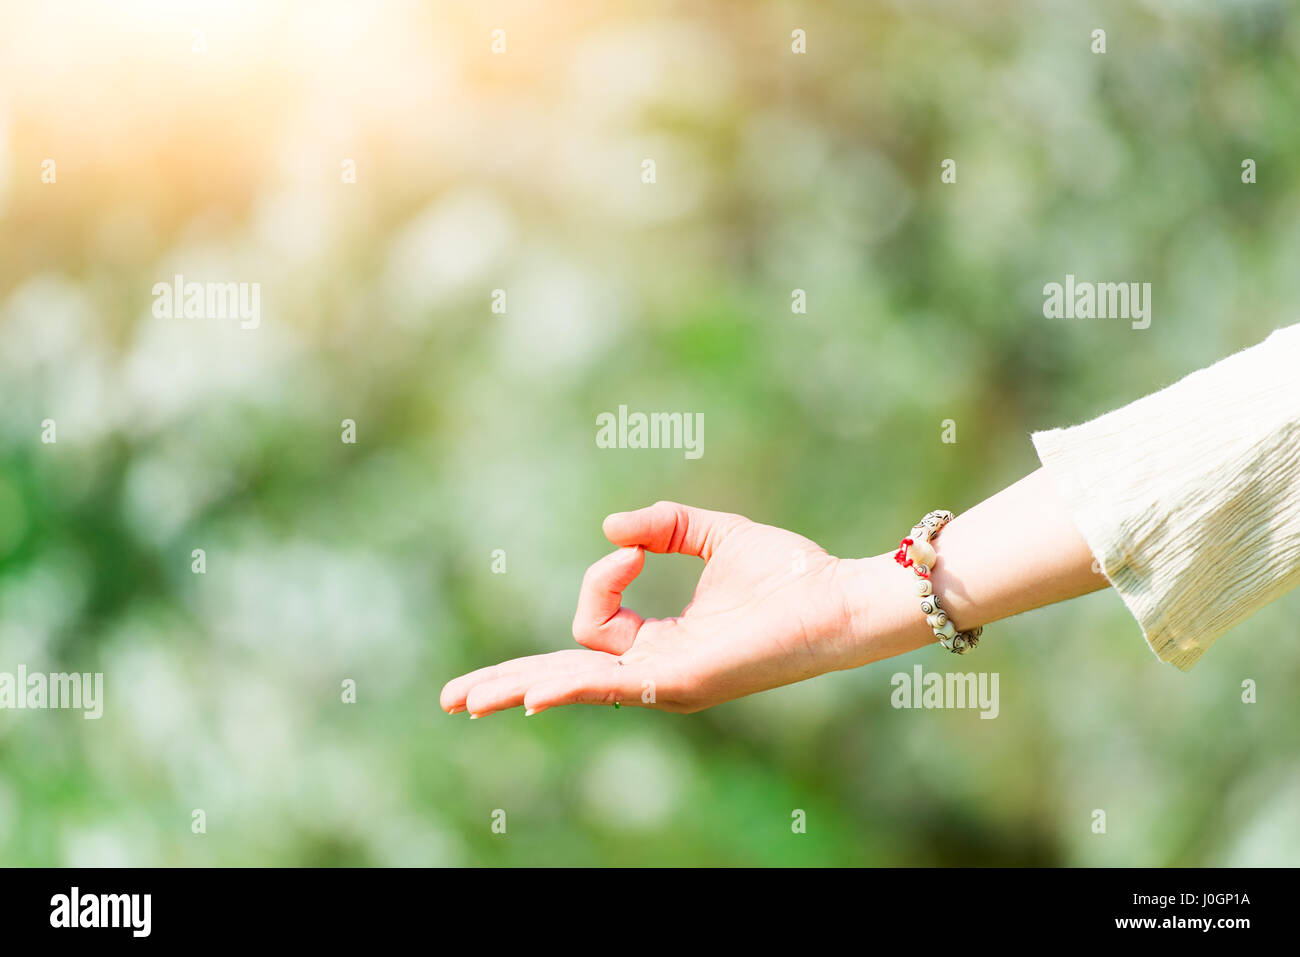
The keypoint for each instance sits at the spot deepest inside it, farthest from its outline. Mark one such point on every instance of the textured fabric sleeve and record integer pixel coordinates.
(1190, 497)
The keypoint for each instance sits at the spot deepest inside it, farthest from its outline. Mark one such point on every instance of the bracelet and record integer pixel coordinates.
(916, 553)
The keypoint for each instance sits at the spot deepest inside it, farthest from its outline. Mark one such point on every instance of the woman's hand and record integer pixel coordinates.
(771, 608)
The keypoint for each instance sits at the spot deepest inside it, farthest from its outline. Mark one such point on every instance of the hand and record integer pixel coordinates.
(771, 608)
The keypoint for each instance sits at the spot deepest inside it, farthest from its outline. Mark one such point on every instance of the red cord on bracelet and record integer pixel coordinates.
(905, 560)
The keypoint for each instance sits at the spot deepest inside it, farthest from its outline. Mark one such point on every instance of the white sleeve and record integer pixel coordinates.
(1190, 497)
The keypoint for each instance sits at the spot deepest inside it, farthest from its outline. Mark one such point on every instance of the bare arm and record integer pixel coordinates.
(1015, 551)
(772, 608)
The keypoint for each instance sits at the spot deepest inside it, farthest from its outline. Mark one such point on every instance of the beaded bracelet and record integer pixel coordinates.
(918, 554)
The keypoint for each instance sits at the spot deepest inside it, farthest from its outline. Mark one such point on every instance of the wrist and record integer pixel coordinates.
(881, 610)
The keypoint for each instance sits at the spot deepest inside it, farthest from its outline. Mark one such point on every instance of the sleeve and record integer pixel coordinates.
(1190, 497)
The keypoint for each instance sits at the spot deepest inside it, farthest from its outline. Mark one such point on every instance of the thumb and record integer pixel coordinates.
(667, 527)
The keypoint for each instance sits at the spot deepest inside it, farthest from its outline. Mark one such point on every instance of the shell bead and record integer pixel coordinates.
(918, 553)
(922, 553)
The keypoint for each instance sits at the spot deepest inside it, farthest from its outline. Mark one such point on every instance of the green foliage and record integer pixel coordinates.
(373, 562)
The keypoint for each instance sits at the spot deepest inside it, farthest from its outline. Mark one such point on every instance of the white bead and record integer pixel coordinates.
(922, 553)
(929, 605)
(923, 587)
(948, 630)
(937, 620)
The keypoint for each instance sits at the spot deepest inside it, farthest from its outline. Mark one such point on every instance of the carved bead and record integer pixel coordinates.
(921, 557)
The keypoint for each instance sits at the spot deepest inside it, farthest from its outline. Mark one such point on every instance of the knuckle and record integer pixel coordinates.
(671, 510)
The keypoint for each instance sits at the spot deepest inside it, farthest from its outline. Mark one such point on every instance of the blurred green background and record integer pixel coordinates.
(208, 139)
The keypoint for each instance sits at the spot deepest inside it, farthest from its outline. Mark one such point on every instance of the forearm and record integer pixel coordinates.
(1015, 551)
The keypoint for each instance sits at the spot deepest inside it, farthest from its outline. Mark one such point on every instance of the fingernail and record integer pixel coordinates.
(529, 712)
(455, 709)
(473, 716)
